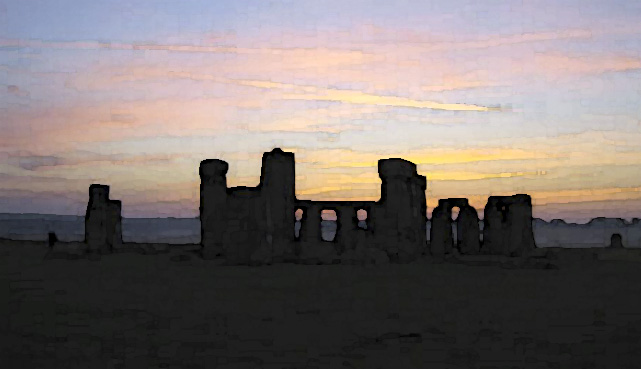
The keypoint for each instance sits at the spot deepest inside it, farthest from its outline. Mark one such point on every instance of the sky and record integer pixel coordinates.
(487, 98)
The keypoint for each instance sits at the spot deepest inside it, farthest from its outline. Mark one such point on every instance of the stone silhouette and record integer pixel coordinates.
(467, 228)
(441, 238)
(507, 225)
(245, 224)
(468, 233)
(400, 217)
(255, 225)
(616, 241)
(103, 221)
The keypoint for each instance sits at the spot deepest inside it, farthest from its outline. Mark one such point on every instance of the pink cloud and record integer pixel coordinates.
(558, 64)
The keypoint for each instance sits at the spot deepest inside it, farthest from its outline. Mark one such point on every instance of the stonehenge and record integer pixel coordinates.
(256, 225)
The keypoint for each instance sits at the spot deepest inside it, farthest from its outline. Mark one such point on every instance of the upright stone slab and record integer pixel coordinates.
(616, 241)
(345, 228)
(519, 225)
(508, 225)
(213, 206)
(278, 196)
(419, 212)
(103, 221)
(400, 216)
(244, 236)
(115, 223)
(441, 238)
(467, 228)
(494, 239)
(310, 227)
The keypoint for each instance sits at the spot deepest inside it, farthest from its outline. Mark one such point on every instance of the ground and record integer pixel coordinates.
(175, 310)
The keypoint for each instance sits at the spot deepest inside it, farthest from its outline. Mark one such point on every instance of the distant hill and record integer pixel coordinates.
(556, 233)
(72, 228)
(595, 233)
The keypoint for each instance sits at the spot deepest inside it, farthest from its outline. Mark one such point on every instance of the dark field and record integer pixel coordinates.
(171, 311)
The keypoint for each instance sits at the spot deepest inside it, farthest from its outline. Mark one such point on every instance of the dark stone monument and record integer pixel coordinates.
(467, 228)
(400, 218)
(507, 225)
(103, 220)
(248, 225)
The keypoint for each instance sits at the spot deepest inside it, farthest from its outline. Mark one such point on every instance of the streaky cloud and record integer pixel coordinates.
(302, 92)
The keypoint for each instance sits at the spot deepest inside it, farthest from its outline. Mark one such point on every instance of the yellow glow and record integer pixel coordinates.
(357, 97)
(311, 93)
(351, 159)
(597, 194)
(470, 176)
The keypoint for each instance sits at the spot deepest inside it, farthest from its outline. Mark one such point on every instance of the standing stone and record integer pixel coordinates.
(441, 238)
(346, 225)
(399, 222)
(519, 225)
(468, 230)
(616, 241)
(277, 189)
(103, 220)
(419, 212)
(244, 235)
(508, 225)
(115, 223)
(213, 206)
(310, 227)
(493, 222)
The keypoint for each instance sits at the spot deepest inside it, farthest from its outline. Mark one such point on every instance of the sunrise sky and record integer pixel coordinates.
(486, 97)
